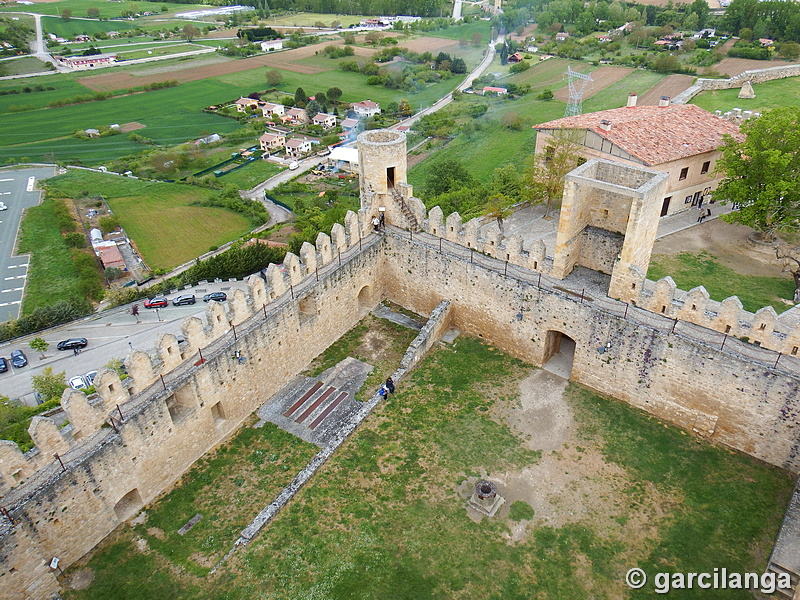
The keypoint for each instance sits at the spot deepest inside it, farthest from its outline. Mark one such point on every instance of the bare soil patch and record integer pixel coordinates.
(670, 86)
(132, 126)
(735, 66)
(429, 44)
(602, 78)
(80, 580)
(726, 242)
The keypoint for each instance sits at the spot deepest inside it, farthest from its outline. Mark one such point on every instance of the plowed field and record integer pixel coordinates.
(601, 79)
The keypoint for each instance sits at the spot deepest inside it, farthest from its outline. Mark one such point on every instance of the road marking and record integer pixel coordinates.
(5, 193)
(11, 290)
(16, 266)
(31, 181)
(8, 303)
(15, 277)
(6, 180)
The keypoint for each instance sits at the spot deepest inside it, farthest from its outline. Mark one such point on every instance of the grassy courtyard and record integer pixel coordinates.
(386, 517)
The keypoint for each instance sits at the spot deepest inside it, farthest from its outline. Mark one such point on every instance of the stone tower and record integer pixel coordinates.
(608, 223)
(382, 167)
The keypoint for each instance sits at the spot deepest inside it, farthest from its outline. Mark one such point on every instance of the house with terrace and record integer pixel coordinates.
(295, 116)
(324, 120)
(297, 147)
(268, 109)
(366, 108)
(243, 104)
(682, 140)
(272, 141)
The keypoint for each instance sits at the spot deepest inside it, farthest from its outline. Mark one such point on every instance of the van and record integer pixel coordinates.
(294, 166)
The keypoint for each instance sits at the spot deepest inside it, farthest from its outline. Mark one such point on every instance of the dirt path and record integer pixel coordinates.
(602, 78)
(726, 242)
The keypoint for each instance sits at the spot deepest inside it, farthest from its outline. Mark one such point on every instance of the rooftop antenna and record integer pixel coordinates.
(577, 83)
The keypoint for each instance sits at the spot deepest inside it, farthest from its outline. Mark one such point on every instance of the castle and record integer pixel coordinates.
(670, 352)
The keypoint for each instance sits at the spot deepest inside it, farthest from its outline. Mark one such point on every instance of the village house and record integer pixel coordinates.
(269, 109)
(516, 57)
(679, 139)
(297, 147)
(295, 116)
(271, 141)
(271, 45)
(494, 91)
(244, 103)
(324, 120)
(349, 124)
(81, 63)
(562, 36)
(765, 42)
(82, 37)
(366, 108)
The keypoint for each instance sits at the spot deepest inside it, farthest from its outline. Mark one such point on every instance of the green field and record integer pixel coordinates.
(770, 94)
(71, 28)
(465, 31)
(387, 518)
(307, 19)
(251, 175)
(158, 217)
(107, 9)
(23, 65)
(171, 115)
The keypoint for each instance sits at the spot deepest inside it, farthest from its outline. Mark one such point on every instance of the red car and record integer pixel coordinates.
(156, 302)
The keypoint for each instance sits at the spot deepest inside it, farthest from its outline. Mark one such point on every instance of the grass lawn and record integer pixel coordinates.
(386, 517)
(251, 175)
(158, 217)
(157, 50)
(51, 276)
(690, 270)
(64, 87)
(308, 19)
(107, 10)
(770, 94)
(69, 29)
(465, 31)
(22, 66)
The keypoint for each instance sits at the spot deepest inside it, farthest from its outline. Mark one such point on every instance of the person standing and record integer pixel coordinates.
(382, 222)
(376, 224)
(390, 385)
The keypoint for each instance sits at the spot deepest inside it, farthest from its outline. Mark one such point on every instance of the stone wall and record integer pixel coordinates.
(753, 76)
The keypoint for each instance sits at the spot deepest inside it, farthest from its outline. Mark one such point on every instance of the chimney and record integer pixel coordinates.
(664, 101)
(605, 125)
(632, 99)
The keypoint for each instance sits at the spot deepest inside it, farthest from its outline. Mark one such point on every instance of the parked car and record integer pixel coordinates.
(77, 382)
(156, 302)
(216, 296)
(3, 365)
(3, 206)
(72, 343)
(184, 299)
(89, 377)
(18, 358)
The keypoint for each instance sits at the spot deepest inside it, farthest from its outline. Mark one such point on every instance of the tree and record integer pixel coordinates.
(334, 94)
(39, 345)
(66, 14)
(349, 39)
(274, 78)
(405, 108)
(300, 96)
(313, 109)
(498, 207)
(93, 13)
(190, 32)
(447, 175)
(762, 172)
(50, 385)
(108, 223)
(790, 257)
(790, 50)
(476, 39)
(547, 172)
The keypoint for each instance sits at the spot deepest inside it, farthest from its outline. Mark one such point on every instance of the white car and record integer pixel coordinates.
(78, 383)
(3, 206)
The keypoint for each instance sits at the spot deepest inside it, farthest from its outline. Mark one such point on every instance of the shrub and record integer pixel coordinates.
(75, 240)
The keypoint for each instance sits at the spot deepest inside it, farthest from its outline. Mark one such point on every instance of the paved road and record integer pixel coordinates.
(17, 193)
(111, 334)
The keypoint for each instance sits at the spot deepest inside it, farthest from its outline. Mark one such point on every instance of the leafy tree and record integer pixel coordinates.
(666, 64)
(50, 385)
(547, 172)
(190, 32)
(499, 207)
(790, 50)
(108, 223)
(313, 108)
(476, 39)
(333, 94)
(274, 78)
(93, 13)
(458, 66)
(447, 175)
(790, 257)
(762, 173)
(404, 108)
(349, 39)
(300, 96)
(512, 120)
(66, 14)
(39, 345)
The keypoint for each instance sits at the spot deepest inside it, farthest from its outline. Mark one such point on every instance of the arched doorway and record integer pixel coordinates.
(559, 352)
(365, 300)
(128, 505)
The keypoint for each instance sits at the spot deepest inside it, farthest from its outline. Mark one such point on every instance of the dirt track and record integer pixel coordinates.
(602, 78)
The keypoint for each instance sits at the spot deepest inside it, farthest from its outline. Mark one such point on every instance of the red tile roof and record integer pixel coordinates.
(655, 134)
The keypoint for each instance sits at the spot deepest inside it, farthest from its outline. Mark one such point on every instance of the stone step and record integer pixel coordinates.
(795, 579)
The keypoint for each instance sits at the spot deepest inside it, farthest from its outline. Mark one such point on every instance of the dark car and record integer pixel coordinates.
(216, 296)
(185, 299)
(3, 365)
(72, 344)
(156, 302)
(18, 358)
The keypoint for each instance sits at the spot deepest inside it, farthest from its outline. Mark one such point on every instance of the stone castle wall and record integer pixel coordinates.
(753, 76)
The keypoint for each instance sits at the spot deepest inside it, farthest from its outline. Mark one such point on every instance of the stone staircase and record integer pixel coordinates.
(405, 211)
(792, 592)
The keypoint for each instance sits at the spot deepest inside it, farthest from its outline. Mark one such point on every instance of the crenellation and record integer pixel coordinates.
(339, 238)
(356, 226)
(48, 438)
(168, 350)
(308, 256)
(141, 368)
(663, 298)
(14, 467)
(470, 232)
(294, 268)
(193, 329)
(240, 306)
(453, 227)
(276, 281)
(218, 320)
(434, 224)
(324, 249)
(110, 389)
(257, 290)
(492, 238)
(729, 315)
(86, 415)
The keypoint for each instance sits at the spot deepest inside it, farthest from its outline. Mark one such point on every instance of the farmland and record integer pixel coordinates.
(167, 230)
(107, 9)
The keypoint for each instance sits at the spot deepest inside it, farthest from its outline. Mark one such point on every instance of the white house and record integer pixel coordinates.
(244, 103)
(366, 108)
(271, 45)
(349, 124)
(324, 120)
(81, 63)
(296, 147)
(268, 109)
(271, 141)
